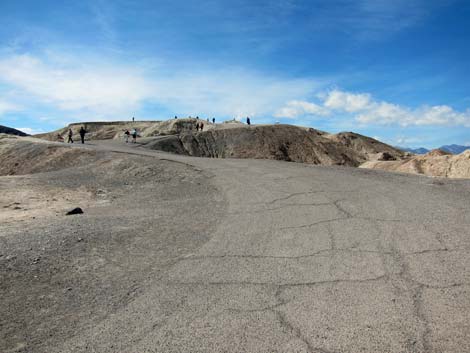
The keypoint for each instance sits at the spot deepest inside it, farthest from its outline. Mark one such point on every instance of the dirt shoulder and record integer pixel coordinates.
(61, 274)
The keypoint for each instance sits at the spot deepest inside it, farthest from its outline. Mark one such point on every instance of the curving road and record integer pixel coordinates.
(305, 259)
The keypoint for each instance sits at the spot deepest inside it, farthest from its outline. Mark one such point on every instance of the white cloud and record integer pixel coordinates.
(6, 107)
(384, 113)
(349, 102)
(367, 111)
(387, 114)
(95, 89)
(295, 108)
(30, 131)
(76, 88)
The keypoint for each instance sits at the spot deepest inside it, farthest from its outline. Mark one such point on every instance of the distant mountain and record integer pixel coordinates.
(11, 131)
(420, 150)
(454, 149)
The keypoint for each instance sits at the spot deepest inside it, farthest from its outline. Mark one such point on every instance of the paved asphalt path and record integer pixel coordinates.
(307, 259)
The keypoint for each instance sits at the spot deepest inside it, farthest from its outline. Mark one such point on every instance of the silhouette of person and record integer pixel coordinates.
(213, 120)
(201, 126)
(134, 136)
(197, 126)
(127, 134)
(248, 121)
(82, 133)
(133, 119)
(176, 117)
(70, 140)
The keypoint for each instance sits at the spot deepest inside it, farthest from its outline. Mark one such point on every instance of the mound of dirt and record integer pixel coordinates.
(368, 147)
(281, 142)
(10, 131)
(26, 155)
(437, 153)
(435, 163)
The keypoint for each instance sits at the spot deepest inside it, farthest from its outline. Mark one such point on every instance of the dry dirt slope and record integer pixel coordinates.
(60, 275)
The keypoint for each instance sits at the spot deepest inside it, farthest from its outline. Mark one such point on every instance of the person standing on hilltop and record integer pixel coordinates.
(201, 126)
(82, 134)
(197, 126)
(70, 140)
(213, 120)
(248, 121)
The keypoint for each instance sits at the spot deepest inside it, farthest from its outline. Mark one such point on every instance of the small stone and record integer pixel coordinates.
(76, 210)
(79, 240)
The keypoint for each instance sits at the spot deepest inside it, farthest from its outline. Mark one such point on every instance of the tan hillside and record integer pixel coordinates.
(368, 147)
(233, 139)
(26, 155)
(115, 129)
(98, 130)
(435, 163)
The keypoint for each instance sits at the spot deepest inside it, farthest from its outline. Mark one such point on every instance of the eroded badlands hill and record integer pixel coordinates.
(280, 142)
(435, 163)
(237, 140)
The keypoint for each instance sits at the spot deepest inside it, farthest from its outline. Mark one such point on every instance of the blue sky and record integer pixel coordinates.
(395, 70)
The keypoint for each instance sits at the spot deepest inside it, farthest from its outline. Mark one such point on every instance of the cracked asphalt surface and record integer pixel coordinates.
(298, 258)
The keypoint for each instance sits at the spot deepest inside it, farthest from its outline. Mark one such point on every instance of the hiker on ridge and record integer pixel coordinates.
(248, 120)
(213, 120)
(82, 134)
(127, 134)
(134, 136)
(70, 140)
(197, 126)
(201, 126)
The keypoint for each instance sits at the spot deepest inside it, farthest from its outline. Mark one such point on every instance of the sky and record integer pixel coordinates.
(398, 71)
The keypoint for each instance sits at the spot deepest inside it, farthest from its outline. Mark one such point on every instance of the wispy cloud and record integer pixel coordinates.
(101, 90)
(295, 108)
(30, 131)
(104, 17)
(6, 107)
(78, 88)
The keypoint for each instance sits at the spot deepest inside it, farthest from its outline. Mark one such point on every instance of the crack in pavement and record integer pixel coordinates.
(320, 252)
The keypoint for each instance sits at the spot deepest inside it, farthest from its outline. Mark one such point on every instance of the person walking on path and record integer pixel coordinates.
(134, 136)
(127, 134)
(82, 134)
(70, 139)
